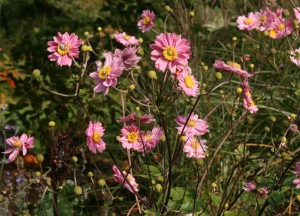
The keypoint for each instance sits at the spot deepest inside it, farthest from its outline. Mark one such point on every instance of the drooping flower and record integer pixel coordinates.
(106, 76)
(295, 57)
(120, 179)
(125, 39)
(17, 144)
(94, 134)
(249, 23)
(130, 137)
(147, 21)
(195, 147)
(133, 118)
(194, 126)
(128, 56)
(297, 173)
(251, 187)
(150, 139)
(170, 51)
(64, 48)
(231, 67)
(188, 84)
(248, 103)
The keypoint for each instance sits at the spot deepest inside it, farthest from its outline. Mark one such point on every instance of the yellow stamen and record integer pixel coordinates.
(127, 37)
(104, 72)
(132, 137)
(281, 26)
(248, 94)
(195, 145)
(263, 18)
(148, 137)
(191, 123)
(96, 137)
(233, 64)
(272, 33)
(146, 20)
(18, 143)
(248, 21)
(170, 53)
(189, 81)
(63, 49)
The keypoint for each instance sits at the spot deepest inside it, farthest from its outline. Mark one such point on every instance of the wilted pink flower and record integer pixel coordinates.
(170, 51)
(125, 39)
(64, 48)
(295, 57)
(147, 21)
(188, 84)
(120, 179)
(130, 138)
(107, 75)
(281, 27)
(261, 191)
(133, 118)
(231, 67)
(297, 13)
(17, 144)
(297, 172)
(128, 56)
(250, 187)
(94, 134)
(194, 126)
(150, 139)
(293, 128)
(195, 147)
(248, 103)
(249, 23)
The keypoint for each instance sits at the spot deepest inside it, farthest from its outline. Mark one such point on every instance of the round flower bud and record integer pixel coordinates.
(226, 205)
(168, 8)
(273, 119)
(298, 198)
(205, 68)
(140, 51)
(153, 182)
(158, 187)
(182, 138)
(140, 40)
(250, 120)
(285, 123)
(152, 74)
(214, 185)
(192, 13)
(48, 181)
(90, 174)
(239, 90)
(266, 33)
(267, 129)
(131, 87)
(293, 128)
(86, 33)
(78, 190)
(101, 182)
(112, 36)
(283, 139)
(118, 138)
(51, 124)
(86, 48)
(286, 13)
(251, 66)
(218, 75)
(234, 38)
(160, 178)
(74, 159)
(99, 29)
(293, 116)
(38, 174)
(40, 158)
(199, 162)
(273, 51)
(163, 138)
(221, 92)
(36, 73)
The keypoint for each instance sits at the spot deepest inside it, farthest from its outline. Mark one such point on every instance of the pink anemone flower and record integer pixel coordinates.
(107, 75)
(120, 179)
(295, 57)
(248, 103)
(17, 144)
(194, 126)
(64, 48)
(125, 39)
(195, 147)
(128, 56)
(170, 51)
(150, 139)
(188, 84)
(231, 67)
(130, 138)
(94, 134)
(147, 21)
(249, 23)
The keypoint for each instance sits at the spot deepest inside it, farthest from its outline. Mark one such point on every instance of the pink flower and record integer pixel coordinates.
(130, 138)
(248, 103)
(266, 19)
(150, 139)
(188, 84)
(281, 27)
(147, 21)
(249, 23)
(64, 48)
(250, 187)
(194, 126)
(120, 179)
(297, 172)
(128, 56)
(170, 51)
(261, 191)
(295, 57)
(107, 75)
(297, 13)
(195, 147)
(17, 144)
(94, 134)
(231, 67)
(133, 118)
(126, 40)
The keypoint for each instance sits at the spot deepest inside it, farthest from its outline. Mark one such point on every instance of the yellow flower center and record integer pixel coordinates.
(263, 19)
(170, 53)
(18, 143)
(189, 81)
(272, 33)
(104, 72)
(148, 137)
(233, 64)
(248, 94)
(281, 26)
(63, 49)
(127, 37)
(146, 20)
(96, 137)
(132, 137)
(191, 123)
(195, 144)
(248, 21)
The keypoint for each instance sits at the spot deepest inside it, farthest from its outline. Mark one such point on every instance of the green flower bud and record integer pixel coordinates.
(36, 73)
(40, 158)
(273, 119)
(218, 75)
(152, 74)
(86, 48)
(78, 190)
(158, 187)
(101, 182)
(51, 124)
(90, 174)
(74, 159)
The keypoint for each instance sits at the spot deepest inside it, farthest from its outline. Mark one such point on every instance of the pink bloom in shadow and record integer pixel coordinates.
(94, 134)
(120, 179)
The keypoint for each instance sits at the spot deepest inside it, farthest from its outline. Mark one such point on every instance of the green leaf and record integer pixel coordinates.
(297, 92)
(216, 199)
(230, 213)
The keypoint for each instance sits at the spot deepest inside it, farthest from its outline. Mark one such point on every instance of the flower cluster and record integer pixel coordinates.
(193, 128)
(269, 21)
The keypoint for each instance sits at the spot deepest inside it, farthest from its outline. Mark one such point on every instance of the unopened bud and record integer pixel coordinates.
(36, 73)
(152, 74)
